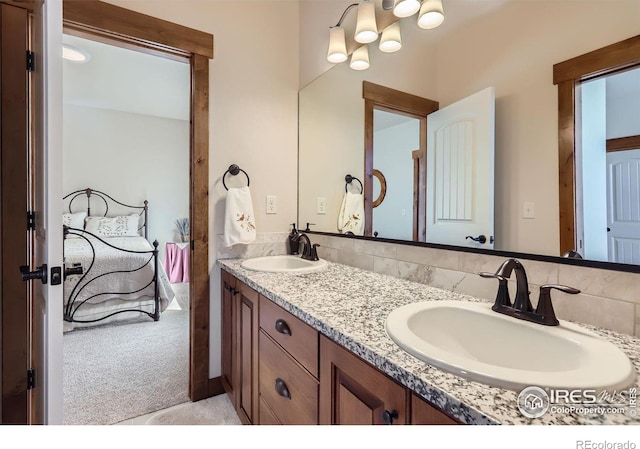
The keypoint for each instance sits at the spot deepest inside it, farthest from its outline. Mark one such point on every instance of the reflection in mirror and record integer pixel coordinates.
(481, 44)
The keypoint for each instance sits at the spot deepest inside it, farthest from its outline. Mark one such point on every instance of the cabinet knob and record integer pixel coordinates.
(282, 327)
(389, 416)
(281, 389)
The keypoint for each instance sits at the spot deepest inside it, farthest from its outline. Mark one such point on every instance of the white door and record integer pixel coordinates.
(460, 167)
(623, 206)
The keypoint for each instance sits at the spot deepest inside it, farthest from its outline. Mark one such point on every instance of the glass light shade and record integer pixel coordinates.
(337, 48)
(431, 14)
(360, 58)
(391, 39)
(406, 8)
(366, 28)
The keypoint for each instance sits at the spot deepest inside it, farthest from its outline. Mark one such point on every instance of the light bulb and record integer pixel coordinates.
(406, 8)
(360, 58)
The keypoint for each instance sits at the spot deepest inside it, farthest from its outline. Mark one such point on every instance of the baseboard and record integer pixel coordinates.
(215, 386)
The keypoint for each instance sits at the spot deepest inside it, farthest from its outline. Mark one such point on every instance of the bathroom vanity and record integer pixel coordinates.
(312, 349)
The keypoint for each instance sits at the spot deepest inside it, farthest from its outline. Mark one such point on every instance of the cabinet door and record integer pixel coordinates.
(247, 321)
(229, 341)
(423, 413)
(354, 392)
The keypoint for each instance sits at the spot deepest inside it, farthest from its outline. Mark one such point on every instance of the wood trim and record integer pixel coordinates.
(397, 100)
(29, 5)
(14, 133)
(391, 100)
(383, 187)
(146, 31)
(568, 75)
(215, 386)
(599, 62)
(623, 143)
(566, 165)
(102, 20)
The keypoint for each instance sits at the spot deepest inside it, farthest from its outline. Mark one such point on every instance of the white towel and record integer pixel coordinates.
(239, 221)
(351, 217)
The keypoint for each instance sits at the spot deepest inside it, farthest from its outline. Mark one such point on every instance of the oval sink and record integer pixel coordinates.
(472, 341)
(283, 264)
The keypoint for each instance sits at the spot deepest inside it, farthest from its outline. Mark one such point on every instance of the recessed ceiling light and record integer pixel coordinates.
(74, 54)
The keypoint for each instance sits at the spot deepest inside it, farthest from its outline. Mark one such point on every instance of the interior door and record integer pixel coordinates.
(623, 206)
(24, 269)
(460, 168)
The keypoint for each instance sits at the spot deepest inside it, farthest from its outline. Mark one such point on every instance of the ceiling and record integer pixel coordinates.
(118, 79)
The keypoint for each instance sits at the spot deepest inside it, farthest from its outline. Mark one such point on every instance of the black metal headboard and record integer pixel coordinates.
(91, 193)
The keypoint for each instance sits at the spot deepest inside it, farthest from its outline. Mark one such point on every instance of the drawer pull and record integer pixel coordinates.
(389, 416)
(283, 327)
(281, 389)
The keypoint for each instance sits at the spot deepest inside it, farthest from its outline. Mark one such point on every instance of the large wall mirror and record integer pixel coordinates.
(509, 48)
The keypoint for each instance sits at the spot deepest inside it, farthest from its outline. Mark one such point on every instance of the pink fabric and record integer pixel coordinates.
(176, 262)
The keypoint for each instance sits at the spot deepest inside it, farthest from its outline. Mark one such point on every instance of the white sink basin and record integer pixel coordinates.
(284, 264)
(474, 342)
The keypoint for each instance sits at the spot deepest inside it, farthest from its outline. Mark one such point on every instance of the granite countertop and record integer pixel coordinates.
(350, 306)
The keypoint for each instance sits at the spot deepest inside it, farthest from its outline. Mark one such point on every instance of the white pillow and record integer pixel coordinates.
(121, 226)
(74, 221)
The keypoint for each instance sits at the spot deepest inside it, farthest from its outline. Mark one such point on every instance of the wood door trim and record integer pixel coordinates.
(129, 26)
(14, 126)
(395, 101)
(102, 20)
(568, 75)
(623, 143)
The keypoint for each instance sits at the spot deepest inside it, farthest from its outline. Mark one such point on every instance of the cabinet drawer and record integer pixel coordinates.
(288, 389)
(295, 336)
(267, 418)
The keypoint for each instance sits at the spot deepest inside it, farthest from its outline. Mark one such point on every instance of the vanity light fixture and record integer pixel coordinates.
(74, 54)
(360, 58)
(391, 40)
(430, 16)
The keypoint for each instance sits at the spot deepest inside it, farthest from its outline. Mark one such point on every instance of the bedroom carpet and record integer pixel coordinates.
(217, 410)
(126, 369)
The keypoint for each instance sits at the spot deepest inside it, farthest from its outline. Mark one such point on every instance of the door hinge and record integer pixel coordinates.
(31, 220)
(31, 61)
(31, 379)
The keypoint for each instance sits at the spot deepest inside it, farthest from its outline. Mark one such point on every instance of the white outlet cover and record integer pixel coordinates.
(321, 206)
(272, 204)
(528, 210)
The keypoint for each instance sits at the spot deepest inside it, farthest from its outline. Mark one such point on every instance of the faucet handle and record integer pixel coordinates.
(545, 305)
(502, 297)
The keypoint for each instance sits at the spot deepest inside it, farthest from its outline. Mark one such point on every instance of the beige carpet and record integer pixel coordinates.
(211, 411)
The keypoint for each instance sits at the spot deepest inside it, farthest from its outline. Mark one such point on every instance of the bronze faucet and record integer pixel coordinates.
(309, 251)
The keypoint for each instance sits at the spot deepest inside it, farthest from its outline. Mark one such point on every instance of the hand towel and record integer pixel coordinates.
(351, 217)
(239, 221)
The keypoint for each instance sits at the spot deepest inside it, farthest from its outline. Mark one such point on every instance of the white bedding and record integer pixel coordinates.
(77, 250)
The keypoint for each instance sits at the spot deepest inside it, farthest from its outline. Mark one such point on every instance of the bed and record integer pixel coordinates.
(112, 271)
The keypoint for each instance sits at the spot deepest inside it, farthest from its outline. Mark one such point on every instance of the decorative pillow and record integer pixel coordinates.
(74, 221)
(121, 226)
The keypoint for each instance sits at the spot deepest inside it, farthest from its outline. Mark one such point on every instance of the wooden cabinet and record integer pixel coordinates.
(240, 347)
(288, 363)
(354, 392)
(279, 370)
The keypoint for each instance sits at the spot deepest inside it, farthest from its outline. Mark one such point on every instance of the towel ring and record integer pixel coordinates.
(348, 179)
(234, 170)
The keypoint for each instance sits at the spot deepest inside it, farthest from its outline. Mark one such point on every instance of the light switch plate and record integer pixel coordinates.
(321, 206)
(272, 204)
(528, 210)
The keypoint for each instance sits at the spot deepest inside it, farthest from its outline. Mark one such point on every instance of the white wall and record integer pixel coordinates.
(253, 106)
(131, 157)
(623, 106)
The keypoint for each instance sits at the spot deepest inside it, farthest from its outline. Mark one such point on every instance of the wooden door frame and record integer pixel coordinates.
(391, 100)
(568, 75)
(119, 26)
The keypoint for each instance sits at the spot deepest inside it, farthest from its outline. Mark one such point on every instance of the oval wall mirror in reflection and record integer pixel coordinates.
(482, 45)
